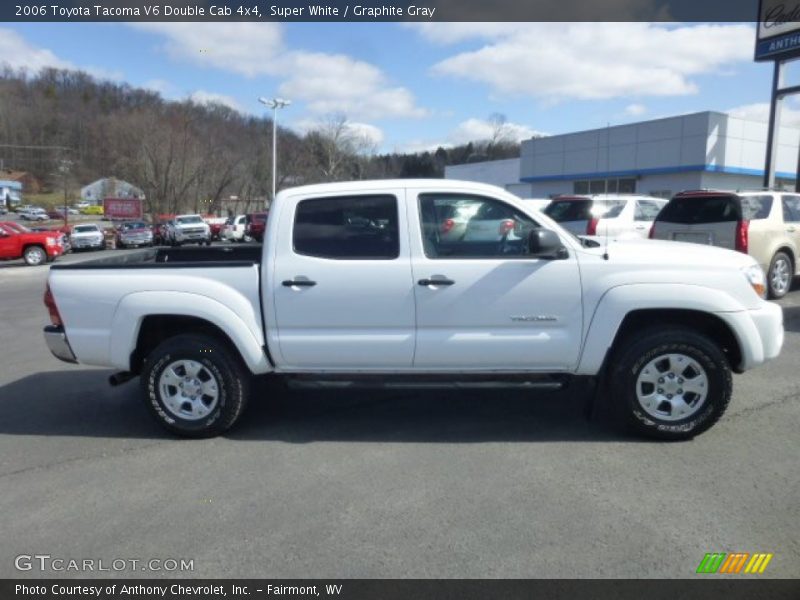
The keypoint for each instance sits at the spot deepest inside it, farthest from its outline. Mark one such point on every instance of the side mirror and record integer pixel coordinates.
(544, 243)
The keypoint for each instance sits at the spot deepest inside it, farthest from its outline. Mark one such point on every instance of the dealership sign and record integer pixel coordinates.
(122, 208)
(778, 35)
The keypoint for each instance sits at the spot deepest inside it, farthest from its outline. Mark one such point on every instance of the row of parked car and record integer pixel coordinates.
(39, 245)
(763, 224)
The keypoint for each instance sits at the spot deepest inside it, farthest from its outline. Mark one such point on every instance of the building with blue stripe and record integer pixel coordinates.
(658, 157)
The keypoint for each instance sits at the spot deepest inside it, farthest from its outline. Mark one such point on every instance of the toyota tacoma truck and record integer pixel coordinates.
(361, 282)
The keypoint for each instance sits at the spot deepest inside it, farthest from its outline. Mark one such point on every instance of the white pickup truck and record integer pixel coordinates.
(361, 282)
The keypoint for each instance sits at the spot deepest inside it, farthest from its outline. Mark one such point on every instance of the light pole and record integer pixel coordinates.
(274, 104)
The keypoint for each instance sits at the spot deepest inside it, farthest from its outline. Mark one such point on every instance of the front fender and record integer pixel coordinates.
(133, 308)
(619, 301)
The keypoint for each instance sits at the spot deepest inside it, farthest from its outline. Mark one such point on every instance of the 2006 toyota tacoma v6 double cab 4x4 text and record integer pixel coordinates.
(442, 282)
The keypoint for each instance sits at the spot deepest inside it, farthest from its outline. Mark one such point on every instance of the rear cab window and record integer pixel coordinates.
(347, 228)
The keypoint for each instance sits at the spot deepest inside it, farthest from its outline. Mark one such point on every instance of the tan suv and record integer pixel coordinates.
(765, 225)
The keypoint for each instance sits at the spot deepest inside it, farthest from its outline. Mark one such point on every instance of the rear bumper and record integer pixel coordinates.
(57, 342)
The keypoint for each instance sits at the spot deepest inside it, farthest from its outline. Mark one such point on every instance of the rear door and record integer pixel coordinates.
(341, 283)
(700, 218)
(482, 304)
(645, 213)
(791, 219)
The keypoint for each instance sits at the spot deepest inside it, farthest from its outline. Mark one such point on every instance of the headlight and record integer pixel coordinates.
(51, 241)
(755, 277)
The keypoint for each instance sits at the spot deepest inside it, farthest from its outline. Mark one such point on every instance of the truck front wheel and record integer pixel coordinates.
(34, 256)
(670, 383)
(195, 385)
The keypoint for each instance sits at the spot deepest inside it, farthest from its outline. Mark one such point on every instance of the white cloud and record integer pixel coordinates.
(331, 83)
(474, 130)
(471, 130)
(366, 132)
(369, 133)
(249, 49)
(327, 83)
(760, 112)
(17, 53)
(203, 97)
(557, 61)
(635, 110)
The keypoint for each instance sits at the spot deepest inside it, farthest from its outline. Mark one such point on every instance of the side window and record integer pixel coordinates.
(647, 210)
(756, 207)
(791, 209)
(466, 226)
(349, 227)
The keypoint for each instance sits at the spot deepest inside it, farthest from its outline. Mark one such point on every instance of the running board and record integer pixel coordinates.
(427, 382)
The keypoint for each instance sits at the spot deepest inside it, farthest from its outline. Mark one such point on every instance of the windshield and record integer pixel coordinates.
(135, 225)
(86, 229)
(607, 209)
(18, 227)
(189, 220)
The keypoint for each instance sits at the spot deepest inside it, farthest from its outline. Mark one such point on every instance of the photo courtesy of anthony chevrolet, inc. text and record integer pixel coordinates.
(396, 300)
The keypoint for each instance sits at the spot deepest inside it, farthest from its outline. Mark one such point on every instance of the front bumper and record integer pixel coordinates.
(57, 342)
(192, 237)
(769, 323)
(759, 333)
(136, 241)
(79, 243)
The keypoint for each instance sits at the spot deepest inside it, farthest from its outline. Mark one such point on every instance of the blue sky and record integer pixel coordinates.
(410, 87)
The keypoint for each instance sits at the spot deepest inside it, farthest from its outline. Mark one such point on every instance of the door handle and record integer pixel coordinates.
(427, 282)
(790, 229)
(299, 283)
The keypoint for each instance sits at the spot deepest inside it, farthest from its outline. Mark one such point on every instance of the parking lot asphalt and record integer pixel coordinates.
(396, 484)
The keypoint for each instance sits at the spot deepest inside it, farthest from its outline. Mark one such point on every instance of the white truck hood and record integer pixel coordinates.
(661, 252)
(700, 269)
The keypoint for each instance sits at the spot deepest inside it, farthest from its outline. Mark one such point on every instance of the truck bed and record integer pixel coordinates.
(214, 256)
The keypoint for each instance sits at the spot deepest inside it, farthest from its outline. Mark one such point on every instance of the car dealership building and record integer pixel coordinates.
(658, 157)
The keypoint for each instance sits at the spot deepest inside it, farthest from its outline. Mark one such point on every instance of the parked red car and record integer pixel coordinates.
(36, 248)
(256, 225)
(215, 224)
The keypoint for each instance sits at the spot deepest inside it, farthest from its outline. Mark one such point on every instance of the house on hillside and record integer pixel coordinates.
(29, 183)
(10, 194)
(109, 187)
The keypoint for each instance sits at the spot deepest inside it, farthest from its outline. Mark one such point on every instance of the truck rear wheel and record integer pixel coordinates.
(195, 385)
(779, 276)
(670, 383)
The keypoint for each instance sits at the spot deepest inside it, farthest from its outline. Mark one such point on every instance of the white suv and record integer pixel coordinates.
(763, 224)
(617, 216)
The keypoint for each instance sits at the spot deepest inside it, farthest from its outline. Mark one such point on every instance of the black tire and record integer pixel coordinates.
(777, 291)
(34, 256)
(634, 354)
(218, 360)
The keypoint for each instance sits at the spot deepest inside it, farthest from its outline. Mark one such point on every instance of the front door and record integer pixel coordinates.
(481, 303)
